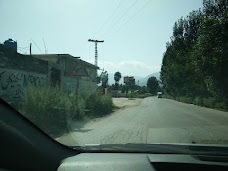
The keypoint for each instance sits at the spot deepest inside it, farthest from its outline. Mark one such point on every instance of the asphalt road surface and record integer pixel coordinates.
(153, 121)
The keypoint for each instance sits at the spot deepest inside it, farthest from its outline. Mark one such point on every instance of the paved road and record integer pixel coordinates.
(153, 121)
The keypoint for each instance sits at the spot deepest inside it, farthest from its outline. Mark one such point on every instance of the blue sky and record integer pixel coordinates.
(135, 32)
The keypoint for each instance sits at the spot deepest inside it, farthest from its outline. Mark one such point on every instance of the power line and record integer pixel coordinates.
(115, 17)
(37, 46)
(45, 46)
(124, 14)
(110, 16)
(134, 15)
(137, 12)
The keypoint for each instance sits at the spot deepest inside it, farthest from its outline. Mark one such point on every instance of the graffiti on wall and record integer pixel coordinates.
(13, 82)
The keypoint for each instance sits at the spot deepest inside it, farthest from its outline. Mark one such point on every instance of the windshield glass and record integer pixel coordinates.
(118, 71)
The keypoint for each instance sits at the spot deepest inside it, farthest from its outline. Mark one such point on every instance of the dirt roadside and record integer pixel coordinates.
(126, 102)
(120, 104)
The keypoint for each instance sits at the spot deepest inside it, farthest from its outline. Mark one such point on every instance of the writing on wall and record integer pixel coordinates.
(13, 82)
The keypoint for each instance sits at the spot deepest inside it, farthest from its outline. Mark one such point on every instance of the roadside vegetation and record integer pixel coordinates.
(199, 101)
(50, 108)
(131, 90)
(195, 64)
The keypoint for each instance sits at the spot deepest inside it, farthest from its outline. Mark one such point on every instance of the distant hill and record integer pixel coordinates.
(143, 81)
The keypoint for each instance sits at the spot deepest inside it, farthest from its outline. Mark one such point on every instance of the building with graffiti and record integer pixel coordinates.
(17, 71)
(75, 75)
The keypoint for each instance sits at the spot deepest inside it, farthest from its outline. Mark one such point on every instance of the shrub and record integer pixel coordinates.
(220, 105)
(167, 96)
(198, 101)
(50, 106)
(99, 105)
(178, 99)
(189, 100)
(209, 102)
(106, 103)
(78, 107)
(182, 99)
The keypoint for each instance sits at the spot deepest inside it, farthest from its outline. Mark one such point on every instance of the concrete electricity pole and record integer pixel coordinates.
(96, 51)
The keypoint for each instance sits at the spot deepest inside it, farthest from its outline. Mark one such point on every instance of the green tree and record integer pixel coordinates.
(104, 79)
(117, 77)
(152, 85)
(112, 87)
(195, 63)
(123, 88)
(143, 89)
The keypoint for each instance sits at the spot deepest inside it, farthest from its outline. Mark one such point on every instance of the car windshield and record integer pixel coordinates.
(118, 71)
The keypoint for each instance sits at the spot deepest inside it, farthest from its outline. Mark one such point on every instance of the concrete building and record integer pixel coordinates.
(17, 71)
(72, 66)
(74, 75)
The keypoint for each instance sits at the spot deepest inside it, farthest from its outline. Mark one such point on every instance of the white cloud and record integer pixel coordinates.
(128, 67)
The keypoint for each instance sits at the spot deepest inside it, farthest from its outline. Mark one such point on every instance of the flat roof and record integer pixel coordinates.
(55, 57)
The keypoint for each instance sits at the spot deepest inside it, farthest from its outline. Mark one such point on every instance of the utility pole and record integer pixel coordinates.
(96, 51)
(45, 47)
(30, 49)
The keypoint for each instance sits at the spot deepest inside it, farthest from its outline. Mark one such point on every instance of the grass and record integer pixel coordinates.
(199, 101)
(50, 108)
(99, 105)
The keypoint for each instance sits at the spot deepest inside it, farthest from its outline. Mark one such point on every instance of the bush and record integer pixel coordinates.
(220, 105)
(50, 106)
(184, 99)
(178, 99)
(198, 101)
(209, 102)
(99, 105)
(167, 96)
(189, 100)
(78, 107)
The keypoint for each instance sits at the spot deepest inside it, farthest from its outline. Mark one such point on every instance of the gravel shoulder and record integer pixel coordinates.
(126, 102)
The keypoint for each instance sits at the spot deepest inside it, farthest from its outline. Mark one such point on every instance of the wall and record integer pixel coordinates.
(17, 70)
(69, 84)
(85, 88)
(77, 67)
(13, 82)
(10, 59)
(92, 73)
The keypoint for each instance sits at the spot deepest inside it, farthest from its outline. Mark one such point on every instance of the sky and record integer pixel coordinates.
(135, 32)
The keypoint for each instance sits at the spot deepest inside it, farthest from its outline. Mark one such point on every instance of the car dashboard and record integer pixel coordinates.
(133, 161)
(24, 146)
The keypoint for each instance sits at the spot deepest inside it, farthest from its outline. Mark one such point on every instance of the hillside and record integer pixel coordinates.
(143, 81)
